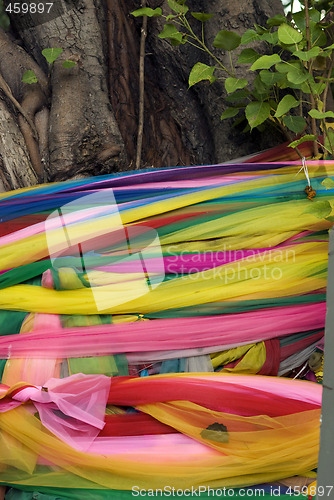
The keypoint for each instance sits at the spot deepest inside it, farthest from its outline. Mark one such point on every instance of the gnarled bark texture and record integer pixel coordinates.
(83, 120)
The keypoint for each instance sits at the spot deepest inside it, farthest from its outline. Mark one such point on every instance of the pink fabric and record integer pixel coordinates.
(166, 334)
(150, 446)
(72, 408)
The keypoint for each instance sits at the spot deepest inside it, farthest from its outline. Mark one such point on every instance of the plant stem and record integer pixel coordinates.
(231, 62)
(324, 100)
(141, 89)
(313, 106)
(289, 138)
(324, 96)
(7, 91)
(307, 22)
(207, 50)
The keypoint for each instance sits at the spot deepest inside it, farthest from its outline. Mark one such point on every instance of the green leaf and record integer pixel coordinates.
(319, 64)
(178, 7)
(285, 105)
(319, 209)
(233, 84)
(269, 78)
(261, 89)
(201, 72)
(317, 88)
(285, 67)
(171, 33)
(146, 11)
(249, 36)
(314, 15)
(308, 54)
(299, 19)
(314, 113)
(69, 64)
(317, 34)
(4, 20)
(288, 35)
(260, 30)
(257, 112)
(29, 77)
(328, 183)
(229, 113)
(248, 56)
(201, 16)
(298, 76)
(227, 40)
(305, 138)
(276, 20)
(237, 96)
(265, 62)
(271, 38)
(52, 54)
(216, 432)
(329, 141)
(294, 123)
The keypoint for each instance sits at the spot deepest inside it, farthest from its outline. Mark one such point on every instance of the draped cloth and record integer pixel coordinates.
(264, 422)
(110, 285)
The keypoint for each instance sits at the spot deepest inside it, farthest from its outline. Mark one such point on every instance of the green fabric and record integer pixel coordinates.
(296, 337)
(77, 494)
(71, 321)
(236, 307)
(2, 367)
(14, 494)
(111, 366)
(11, 321)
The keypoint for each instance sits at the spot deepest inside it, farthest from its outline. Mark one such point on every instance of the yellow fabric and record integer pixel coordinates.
(228, 356)
(272, 223)
(260, 449)
(276, 275)
(252, 359)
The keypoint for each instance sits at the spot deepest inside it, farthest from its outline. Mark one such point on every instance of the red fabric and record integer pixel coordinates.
(164, 221)
(271, 364)
(282, 152)
(272, 361)
(133, 424)
(20, 223)
(230, 398)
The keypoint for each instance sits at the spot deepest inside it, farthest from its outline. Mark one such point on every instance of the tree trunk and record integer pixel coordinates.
(83, 120)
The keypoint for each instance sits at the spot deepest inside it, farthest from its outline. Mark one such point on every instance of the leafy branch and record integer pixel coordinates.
(291, 83)
(51, 55)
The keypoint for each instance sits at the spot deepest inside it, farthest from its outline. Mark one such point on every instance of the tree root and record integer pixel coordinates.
(6, 90)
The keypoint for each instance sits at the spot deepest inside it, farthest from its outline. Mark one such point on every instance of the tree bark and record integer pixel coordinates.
(84, 120)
